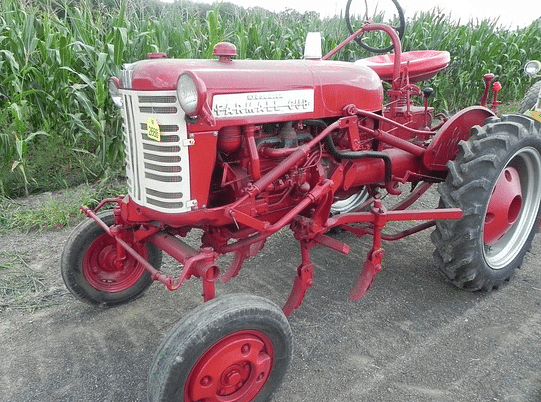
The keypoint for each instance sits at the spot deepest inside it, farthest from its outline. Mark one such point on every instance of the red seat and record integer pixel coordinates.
(422, 64)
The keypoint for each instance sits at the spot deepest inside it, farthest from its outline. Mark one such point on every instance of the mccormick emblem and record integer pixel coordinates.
(263, 103)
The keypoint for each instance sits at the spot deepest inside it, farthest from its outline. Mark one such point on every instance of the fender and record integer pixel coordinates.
(444, 146)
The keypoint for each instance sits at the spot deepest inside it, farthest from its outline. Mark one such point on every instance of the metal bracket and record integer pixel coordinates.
(191, 204)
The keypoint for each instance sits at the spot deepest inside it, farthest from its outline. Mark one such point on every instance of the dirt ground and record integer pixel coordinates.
(413, 337)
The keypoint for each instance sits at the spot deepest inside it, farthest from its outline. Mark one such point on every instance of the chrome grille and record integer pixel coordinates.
(158, 171)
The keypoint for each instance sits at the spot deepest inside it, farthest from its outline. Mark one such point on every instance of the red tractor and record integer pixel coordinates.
(239, 149)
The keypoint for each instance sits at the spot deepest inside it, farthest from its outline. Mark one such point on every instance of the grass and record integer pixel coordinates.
(21, 286)
(48, 215)
(54, 210)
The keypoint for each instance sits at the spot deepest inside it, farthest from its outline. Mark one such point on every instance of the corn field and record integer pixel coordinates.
(56, 118)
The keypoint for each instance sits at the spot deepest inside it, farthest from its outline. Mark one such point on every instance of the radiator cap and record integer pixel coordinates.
(225, 51)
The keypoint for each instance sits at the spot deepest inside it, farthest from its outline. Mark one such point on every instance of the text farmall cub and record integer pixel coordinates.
(240, 149)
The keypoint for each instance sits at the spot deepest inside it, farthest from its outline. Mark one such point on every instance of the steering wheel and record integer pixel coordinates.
(399, 29)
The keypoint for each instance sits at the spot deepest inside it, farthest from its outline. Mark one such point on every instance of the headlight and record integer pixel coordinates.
(532, 67)
(115, 92)
(191, 93)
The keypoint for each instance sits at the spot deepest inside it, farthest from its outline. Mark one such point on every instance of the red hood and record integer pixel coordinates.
(335, 84)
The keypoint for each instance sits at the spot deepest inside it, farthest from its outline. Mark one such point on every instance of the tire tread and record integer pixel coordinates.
(458, 252)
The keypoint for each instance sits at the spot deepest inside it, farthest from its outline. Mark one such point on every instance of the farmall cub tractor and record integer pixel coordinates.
(240, 149)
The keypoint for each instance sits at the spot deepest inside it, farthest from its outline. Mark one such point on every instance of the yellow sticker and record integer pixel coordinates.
(153, 129)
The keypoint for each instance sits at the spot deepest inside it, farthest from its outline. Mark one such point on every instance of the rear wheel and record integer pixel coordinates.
(233, 348)
(496, 181)
(531, 97)
(92, 272)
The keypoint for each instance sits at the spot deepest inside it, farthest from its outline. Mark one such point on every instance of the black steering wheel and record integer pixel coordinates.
(399, 29)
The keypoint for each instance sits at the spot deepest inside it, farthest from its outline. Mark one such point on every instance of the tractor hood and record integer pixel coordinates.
(236, 89)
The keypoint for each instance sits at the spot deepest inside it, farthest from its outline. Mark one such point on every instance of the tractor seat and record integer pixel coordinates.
(422, 64)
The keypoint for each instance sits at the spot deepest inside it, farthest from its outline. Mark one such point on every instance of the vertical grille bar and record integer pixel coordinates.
(132, 149)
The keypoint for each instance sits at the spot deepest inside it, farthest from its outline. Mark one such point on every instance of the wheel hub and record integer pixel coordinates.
(234, 369)
(233, 376)
(105, 271)
(504, 206)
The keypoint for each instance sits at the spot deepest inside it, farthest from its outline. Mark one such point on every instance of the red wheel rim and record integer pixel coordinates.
(235, 368)
(504, 206)
(102, 270)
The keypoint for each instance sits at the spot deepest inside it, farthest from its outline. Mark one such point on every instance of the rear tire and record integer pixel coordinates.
(483, 249)
(88, 269)
(234, 348)
(531, 97)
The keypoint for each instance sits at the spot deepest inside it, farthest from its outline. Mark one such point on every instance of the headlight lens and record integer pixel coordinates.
(188, 95)
(532, 67)
(115, 93)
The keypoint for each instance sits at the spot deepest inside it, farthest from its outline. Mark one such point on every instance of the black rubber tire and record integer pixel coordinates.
(530, 99)
(206, 326)
(461, 253)
(77, 245)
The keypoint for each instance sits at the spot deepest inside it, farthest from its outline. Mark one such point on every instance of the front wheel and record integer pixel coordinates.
(234, 348)
(93, 273)
(496, 181)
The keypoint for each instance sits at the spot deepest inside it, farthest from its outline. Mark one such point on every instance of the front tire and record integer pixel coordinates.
(90, 270)
(234, 348)
(496, 181)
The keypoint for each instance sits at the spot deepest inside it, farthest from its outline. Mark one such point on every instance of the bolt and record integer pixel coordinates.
(233, 378)
(205, 381)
